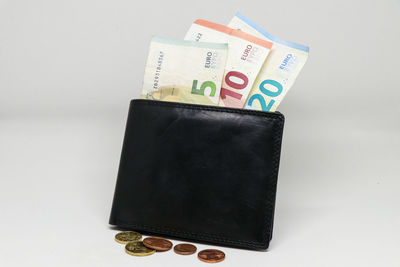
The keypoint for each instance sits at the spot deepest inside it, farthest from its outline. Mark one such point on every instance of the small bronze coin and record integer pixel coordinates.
(136, 248)
(157, 243)
(211, 255)
(126, 237)
(185, 249)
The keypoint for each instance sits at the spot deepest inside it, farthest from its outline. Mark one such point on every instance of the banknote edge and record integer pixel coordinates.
(189, 43)
(236, 33)
(270, 36)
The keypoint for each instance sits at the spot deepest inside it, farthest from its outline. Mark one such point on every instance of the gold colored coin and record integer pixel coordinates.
(136, 248)
(126, 237)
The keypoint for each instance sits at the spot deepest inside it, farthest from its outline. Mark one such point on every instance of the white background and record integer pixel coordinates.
(69, 68)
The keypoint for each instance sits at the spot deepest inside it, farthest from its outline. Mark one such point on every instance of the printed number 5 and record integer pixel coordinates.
(203, 87)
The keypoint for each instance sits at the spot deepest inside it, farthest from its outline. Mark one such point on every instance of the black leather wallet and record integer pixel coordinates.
(199, 173)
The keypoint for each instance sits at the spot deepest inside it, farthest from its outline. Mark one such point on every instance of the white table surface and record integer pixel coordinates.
(58, 177)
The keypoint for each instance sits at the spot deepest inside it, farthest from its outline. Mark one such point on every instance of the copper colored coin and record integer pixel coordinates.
(185, 249)
(211, 255)
(157, 243)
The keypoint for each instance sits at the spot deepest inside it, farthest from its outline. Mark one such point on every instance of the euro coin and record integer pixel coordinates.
(126, 237)
(211, 255)
(157, 243)
(185, 249)
(136, 248)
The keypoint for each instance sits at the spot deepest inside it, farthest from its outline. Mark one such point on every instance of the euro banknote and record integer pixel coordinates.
(246, 56)
(184, 71)
(279, 71)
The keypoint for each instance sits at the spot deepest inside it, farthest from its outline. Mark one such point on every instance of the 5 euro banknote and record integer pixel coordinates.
(184, 71)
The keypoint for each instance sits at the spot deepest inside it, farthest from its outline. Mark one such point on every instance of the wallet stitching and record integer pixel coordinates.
(274, 116)
(277, 140)
(269, 204)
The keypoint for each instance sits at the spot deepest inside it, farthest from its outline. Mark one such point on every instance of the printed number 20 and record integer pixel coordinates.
(267, 92)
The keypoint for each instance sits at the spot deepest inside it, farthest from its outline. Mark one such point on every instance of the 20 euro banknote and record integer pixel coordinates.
(279, 71)
(184, 71)
(246, 56)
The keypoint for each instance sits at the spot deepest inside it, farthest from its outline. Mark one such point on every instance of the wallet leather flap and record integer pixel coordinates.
(199, 172)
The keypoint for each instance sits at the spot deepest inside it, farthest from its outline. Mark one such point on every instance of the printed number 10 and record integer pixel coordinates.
(234, 85)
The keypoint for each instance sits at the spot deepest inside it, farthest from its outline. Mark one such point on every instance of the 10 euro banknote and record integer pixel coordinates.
(279, 71)
(184, 71)
(246, 56)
